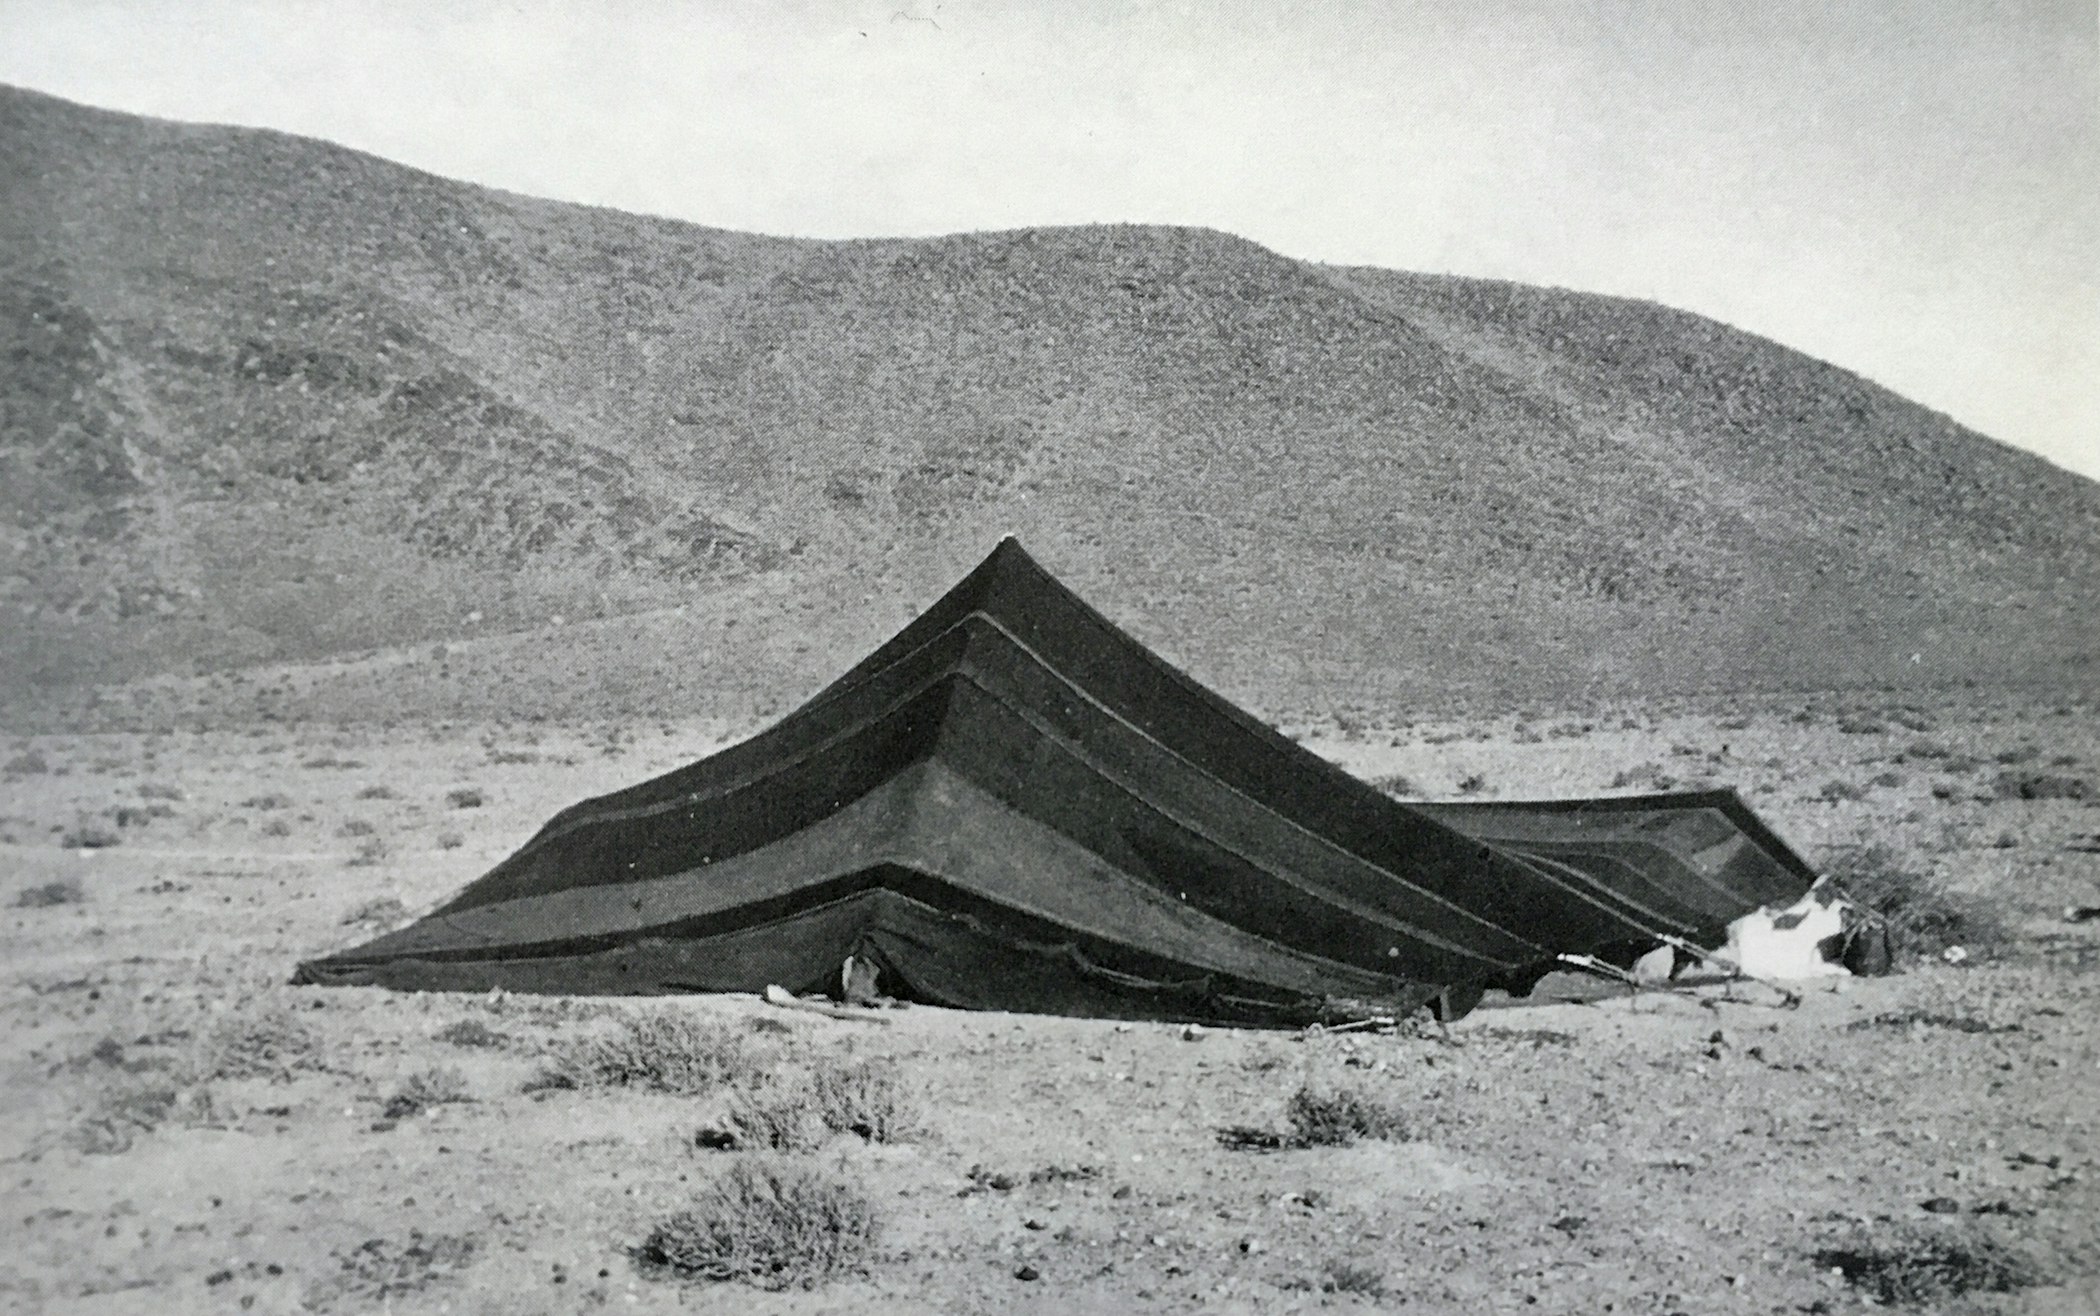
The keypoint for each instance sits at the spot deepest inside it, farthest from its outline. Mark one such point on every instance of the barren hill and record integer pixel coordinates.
(307, 429)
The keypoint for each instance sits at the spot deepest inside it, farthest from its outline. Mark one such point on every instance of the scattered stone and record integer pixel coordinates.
(1942, 1206)
(1027, 1274)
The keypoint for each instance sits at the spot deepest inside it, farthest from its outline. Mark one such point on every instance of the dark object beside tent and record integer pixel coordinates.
(1014, 805)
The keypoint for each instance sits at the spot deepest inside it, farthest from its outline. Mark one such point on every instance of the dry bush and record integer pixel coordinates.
(1351, 1277)
(782, 1119)
(1340, 1116)
(2042, 786)
(1834, 792)
(1923, 916)
(472, 1032)
(465, 797)
(773, 1223)
(266, 803)
(1333, 1117)
(370, 853)
(1917, 1266)
(377, 793)
(356, 827)
(28, 763)
(89, 833)
(277, 827)
(1648, 776)
(658, 1053)
(426, 1088)
(866, 1099)
(381, 912)
(58, 891)
(153, 790)
(1397, 785)
(118, 1116)
(257, 1044)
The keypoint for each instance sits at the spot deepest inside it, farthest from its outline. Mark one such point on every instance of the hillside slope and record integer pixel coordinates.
(271, 401)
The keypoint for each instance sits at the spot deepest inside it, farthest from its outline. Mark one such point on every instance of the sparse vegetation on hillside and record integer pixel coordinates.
(340, 391)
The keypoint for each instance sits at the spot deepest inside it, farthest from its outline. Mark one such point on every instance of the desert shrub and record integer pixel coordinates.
(513, 756)
(376, 793)
(1916, 1266)
(355, 827)
(779, 1119)
(465, 797)
(1646, 775)
(1923, 916)
(656, 1052)
(266, 803)
(370, 851)
(28, 763)
(89, 833)
(331, 761)
(426, 1088)
(376, 1272)
(135, 815)
(118, 1116)
(773, 1223)
(1887, 780)
(450, 840)
(2017, 754)
(2042, 786)
(1397, 785)
(1834, 792)
(1352, 1277)
(258, 1044)
(866, 1099)
(384, 910)
(1928, 749)
(1340, 1116)
(1251, 1137)
(58, 891)
(1959, 1023)
(1472, 784)
(154, 790)
(472, 1032)
(1862, 726)
(277, 827)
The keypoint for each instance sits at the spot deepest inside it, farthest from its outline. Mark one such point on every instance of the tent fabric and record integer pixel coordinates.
(1688, 859)
(1013, 804)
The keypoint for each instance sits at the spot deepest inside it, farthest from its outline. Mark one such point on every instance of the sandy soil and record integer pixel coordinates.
(1663, 1153)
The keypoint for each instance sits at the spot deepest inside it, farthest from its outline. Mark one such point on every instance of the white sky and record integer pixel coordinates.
(1909, 188)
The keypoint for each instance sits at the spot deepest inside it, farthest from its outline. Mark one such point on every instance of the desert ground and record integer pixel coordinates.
(185, 1131)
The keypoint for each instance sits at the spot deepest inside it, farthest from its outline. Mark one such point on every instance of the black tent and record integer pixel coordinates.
(1015, 805)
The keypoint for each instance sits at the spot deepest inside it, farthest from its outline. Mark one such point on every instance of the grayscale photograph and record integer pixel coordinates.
(995, 656)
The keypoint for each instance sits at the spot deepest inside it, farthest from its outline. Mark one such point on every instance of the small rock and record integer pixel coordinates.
(1192, 1033)
(1032, 1223)
(1942, 1206)
(1027, 1274)
(1251, 1246)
